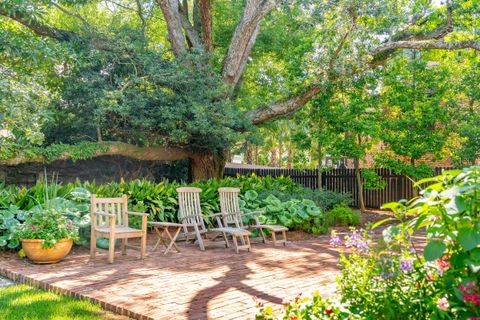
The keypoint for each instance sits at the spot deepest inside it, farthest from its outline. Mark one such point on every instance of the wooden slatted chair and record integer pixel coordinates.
(190, 215)
(234, 216)
(110, 220)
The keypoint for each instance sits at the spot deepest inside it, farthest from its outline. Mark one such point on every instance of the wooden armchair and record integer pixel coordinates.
(110, 220)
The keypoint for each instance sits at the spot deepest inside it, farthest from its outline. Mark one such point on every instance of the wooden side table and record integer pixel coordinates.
(164, 235)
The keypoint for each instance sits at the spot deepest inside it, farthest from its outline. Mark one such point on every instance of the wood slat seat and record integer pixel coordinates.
(129, 232)
(231, 230)
(271, 227)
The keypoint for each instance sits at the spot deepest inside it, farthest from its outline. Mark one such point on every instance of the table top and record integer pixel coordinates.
(165, 224)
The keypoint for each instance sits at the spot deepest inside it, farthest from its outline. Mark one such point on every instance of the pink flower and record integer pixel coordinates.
(471, 298)
(462, 288)
(443, 304)
(443, 264)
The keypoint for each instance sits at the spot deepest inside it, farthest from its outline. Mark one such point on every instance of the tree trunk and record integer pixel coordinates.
(359, 185)
(280, 153)
(290, 155)
(320, 166)
(414, 189)
(273, 157)
(206, 165)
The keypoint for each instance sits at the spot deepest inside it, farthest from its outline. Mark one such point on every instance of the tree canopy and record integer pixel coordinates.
(192, 79)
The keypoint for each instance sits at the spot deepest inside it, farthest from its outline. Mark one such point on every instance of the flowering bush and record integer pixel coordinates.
(313, 307)
(385, 276)
(49, 225)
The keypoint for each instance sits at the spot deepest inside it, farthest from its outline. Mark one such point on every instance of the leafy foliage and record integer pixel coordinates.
(342, 215)
(295, 214)
(49, 225)
(160, 201)
(387, 278)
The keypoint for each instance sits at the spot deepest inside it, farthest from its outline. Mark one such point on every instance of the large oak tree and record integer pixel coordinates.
(340, 39)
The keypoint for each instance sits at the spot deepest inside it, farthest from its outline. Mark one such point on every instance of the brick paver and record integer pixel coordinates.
(215, 284)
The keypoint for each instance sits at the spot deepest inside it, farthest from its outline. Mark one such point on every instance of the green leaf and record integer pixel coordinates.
(468, 238)
(379, 223)
(434, 250)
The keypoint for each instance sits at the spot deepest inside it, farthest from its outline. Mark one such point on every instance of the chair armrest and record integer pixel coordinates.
(253, 213)
(137, 213)
(219, 214)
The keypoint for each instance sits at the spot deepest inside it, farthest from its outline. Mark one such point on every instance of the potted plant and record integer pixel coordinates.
(47, 235)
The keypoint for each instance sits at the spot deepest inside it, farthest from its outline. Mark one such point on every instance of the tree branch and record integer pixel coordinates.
(72, 14)
(244, 38)
(172, 17)
(383, 51)
(204, 9)
(38, 27)
(192, 35)
(284, 107)
(117, 149)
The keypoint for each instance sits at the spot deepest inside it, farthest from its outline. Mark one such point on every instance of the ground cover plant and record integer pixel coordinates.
(25, 302)
(296, 207)
(385, 276)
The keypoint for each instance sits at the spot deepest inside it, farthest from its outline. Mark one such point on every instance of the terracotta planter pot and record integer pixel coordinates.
(34, 251)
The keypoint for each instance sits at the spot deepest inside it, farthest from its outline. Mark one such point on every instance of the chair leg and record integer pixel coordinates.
(264, 238)
(235, 243)
(111, 249)
(248, 243)
(143, 246)
(227, 245)
(199, 238)
(93, 245)
(124, 247)
(284, 238)
(274, 238)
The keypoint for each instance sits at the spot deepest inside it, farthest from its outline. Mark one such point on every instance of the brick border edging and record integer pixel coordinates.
(23, 279)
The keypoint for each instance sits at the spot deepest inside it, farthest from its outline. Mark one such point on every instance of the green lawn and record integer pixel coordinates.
(24, 302)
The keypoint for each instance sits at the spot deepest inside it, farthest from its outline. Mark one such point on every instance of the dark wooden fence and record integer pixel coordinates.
(344, 180)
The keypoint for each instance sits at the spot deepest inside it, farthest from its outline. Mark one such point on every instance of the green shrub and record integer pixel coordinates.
(296, 214)
(325, 200)
(341, 215)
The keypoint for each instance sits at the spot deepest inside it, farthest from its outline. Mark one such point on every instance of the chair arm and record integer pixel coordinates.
(137, 213)
(253, 213)
(219, 214)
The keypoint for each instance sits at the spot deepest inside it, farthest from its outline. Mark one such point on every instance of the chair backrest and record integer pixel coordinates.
(189, 207)
(229, 204)
(116, 206)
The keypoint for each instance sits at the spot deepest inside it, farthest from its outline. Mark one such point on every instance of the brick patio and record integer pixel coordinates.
(215, 284)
